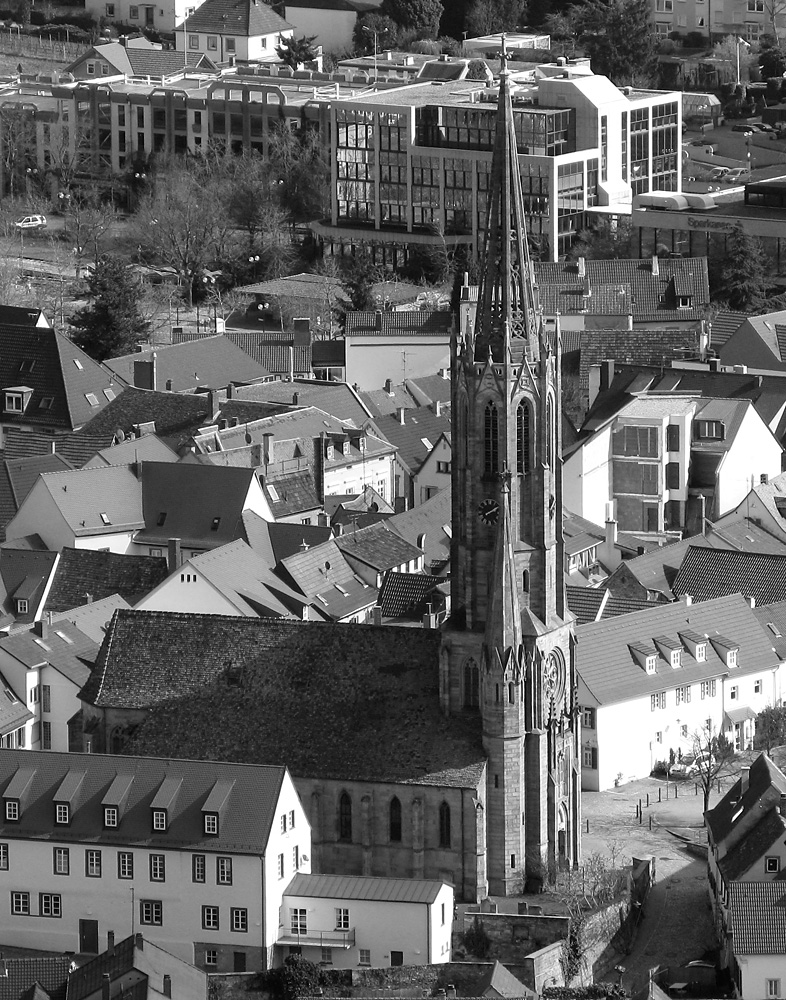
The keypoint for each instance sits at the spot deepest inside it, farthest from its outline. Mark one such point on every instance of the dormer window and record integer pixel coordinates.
(331, 452)
(345, 447)
(676, 658)
(110, 817)
(22, 607)
(62, 814)
(650, 664)
(701, 652)
(683, 302)
(16, 399)
(159, 820)
(362, 442)
(709, 430)
(12, 810)
(731, 658)
(211, 824)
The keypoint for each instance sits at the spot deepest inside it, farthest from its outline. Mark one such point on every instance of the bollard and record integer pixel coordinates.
(676, 791)
(719, 787)
(587, 826)
(695, 788)
(640, 809)
(648, 800)
(659, 791)
(641, 818)
(650, 821)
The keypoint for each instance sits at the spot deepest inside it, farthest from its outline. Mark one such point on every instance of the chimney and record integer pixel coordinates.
(581, 264)
(230, 390)
(376, 615)
(169, 385)
(173, 555)
(139, 943)
(110, 943)
(53, 447)
(606, 374)
(295, 398)
(587, 290)
(389, 386)
(715, 364)
(782, 805)
(267, 450)
(764, 479)
(400, 411)
(687, 600)
(40, 629)
(450, 991)
(213, 405)
(444, 373)
(256, 455)
(106, 985)
(378, 319)
(437, 408)
(611, 525)
(752, 602)
(745, 772)
(655, 266)
(167, 986)
(88, 598)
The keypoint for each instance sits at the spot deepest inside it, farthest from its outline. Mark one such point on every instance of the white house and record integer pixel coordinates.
(399, 345)
(162, 15)
(331, 21)
(197, 854)
(757, 925)
(670, 460)
(650, 680)
(45, 669)
(247, 30)
(349, 921)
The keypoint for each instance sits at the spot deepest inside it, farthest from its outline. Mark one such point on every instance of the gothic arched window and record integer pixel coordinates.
(345, 817)
(471, 684)
(395, 820)
(444, 825)
(490, 440)
(523, 437)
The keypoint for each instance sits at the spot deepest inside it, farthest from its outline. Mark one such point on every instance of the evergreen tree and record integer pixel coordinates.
(743, 275)
(294, 52)
(486, 17)
(420, 16)
(111, 323)
(359, 278)
(619, 38)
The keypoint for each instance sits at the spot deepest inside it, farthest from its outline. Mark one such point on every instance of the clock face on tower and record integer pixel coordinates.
(488, 511)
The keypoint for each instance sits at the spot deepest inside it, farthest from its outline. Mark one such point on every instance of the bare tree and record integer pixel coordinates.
(88, 221)
(711, 754)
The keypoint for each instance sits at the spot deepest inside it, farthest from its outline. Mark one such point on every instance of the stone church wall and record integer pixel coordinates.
(420, 853)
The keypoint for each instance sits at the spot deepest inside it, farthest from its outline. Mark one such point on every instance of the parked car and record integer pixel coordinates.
(737, 175)
(764, 127)
(718, 173)
(690, 765)
(746, 129)
(31, 222)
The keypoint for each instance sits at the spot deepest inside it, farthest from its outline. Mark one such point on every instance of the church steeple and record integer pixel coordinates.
(509, 615)
(506, 315)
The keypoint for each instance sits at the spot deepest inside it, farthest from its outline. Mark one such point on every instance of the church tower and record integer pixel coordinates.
(508, 650)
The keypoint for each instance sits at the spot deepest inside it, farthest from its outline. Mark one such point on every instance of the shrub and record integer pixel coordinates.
(476, 940)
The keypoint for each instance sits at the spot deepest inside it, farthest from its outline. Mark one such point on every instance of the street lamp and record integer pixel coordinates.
(253, 261)
(737, 43)
(376, 32)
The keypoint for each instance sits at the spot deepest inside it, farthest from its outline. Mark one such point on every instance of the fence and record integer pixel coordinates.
(14, 43)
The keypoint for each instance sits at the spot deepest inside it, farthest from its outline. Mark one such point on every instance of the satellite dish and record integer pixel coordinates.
(120, 434)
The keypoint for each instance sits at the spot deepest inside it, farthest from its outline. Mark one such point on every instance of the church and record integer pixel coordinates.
(449, 754)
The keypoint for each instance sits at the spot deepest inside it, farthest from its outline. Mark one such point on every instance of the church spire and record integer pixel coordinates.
(503, 620)
(506, 312)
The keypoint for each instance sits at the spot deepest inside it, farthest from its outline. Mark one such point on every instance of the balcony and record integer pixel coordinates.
(318, 939)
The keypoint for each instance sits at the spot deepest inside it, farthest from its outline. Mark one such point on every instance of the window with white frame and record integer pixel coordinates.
(61, 861)
(238, 918)
(198, 868)
(211, 956)
(3, 857)
(157, 868)
(283, 822)
(683, 694)
(281, 866)
(734, 692)
(125, 864)
(50, 904)
(295, 857)
(151, 912)
(297, 921)
(93, 864)
(757, 687)
(342, 919)
(212, 43)
(773, 988)
(364, 956)
(110, 817)
(193, 41)
(159, 820)
(291, 819)
(224, 871)
(587, 718)
(327, 956)
(210, 919)
(708, 689)
(20, 904)
(62, 814)
(12, 810)
(211, 824)
(658, 700)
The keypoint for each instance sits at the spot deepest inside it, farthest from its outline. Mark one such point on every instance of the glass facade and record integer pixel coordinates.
(640, 150)
(664, 147)
(355, 161)
(540, 131)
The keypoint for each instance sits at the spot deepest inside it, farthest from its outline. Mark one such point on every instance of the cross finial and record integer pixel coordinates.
(503, 56)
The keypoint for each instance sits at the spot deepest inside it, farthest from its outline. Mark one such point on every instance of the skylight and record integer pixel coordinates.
(43, 645)
(215, 523)
(104, 517)
(91, 398)
(273, 494)
(79, 364)
(774, 629)
(65, 638)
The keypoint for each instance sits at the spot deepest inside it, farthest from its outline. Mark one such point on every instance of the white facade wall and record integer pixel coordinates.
(333, 28)
(753, 453)
(586, 478)
(370, 361)
(755, 970)
(188, 591)
(116, 903)
(352, 478)
(420, 931)
(430, 479)
(164, 14)
(260, 48)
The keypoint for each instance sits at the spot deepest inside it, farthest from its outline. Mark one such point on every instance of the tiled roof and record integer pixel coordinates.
(166, 62)
(235, 17)
(380, 401)
(354, 5)
(13, 710)
(328, 580)
(410, 323)
(769, 831)
(88, 978)
(766, 783)
(405, 593)
(724, 324)
(377, 546)
(20, 568)
(657, 569)
(18, 974)
(245, 579)
(207, 361)
(417, 436)
(637, 346)
(93, 619)
(65, 647)
(199, 504)
(148, 448)
(612, 674)
(757, 912)
(376, 716)
(429, 525)
(772, 618)
(270, 352)
(291, 493)
(21, 316)
(504, 984)
(68, 387)
(591, 605)
(274, 541)
(336, 398)
(746, 536)
(75, 448)
(706, 573)
(428, 389)
(17, 477)
(365, 887)
(80, 572)
(652, 294)
(245, 820)
(96, 501)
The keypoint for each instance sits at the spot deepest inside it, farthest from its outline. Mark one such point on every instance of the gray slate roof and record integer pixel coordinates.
(757, 913)
(706, 573)
(235, 17)
(383, 890)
